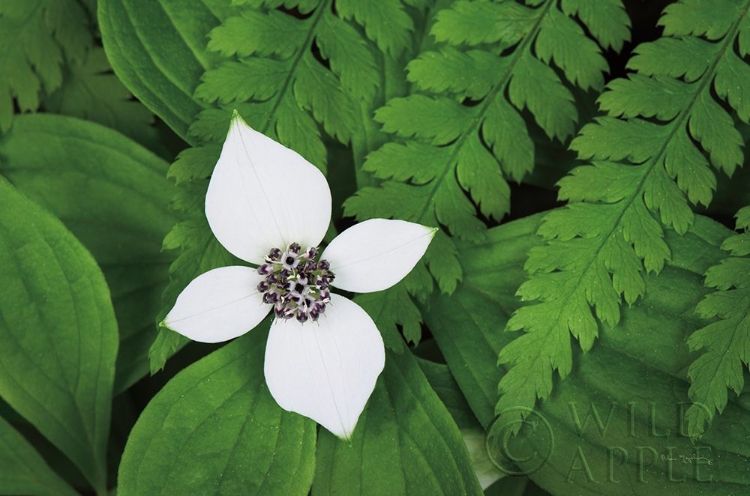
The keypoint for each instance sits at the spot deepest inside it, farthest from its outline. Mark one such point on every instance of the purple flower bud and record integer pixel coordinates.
(274, 254)
(279, 310)
(311, 252)
(301, 316)
(294, 248)
(271, 297)
(263, 286)
(265, 269)
(324, 265)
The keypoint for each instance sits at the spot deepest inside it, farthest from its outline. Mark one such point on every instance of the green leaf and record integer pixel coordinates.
(696, 18)
(633, 380)
(159, 53)
(436, 121)
(36, 38)
(563, 41)
(445, 386)
(689, 57)
(536, 86)
(215, 429)
(607, 20)
(386, 22)
(257, 33)
(405, 443)
(23, 470)
(58, 333)
(608, 138)
(599, 249)
(91, 92)
(114, 196)
(351, 58)
(643, 96)
(467, 73)
(477, 23)
(725, 341)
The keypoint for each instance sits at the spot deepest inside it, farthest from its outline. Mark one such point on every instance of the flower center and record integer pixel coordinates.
(296, 284)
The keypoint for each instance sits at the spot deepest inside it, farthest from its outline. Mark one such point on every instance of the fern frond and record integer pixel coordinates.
(36, 38)
(497, 59)
(642, 178)
(726, 341)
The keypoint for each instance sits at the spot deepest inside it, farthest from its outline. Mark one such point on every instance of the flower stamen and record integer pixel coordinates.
(295, 283)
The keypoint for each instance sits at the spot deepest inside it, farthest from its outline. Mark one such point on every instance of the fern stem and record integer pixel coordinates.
(306, 46)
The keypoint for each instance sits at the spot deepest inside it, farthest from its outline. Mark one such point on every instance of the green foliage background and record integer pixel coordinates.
(472, 116)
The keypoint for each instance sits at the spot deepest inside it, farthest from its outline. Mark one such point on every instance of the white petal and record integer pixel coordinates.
(326, 370)
(376, 254)
(219, 305)
(263, 195)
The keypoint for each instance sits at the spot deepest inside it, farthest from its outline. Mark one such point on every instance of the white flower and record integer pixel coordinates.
(270, 207)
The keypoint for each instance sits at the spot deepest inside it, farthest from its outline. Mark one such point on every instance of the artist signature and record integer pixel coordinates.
(694, 458)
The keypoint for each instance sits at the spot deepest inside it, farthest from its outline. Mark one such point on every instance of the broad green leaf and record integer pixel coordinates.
(23, 470)
(158, 50)
(446, 387)
(215, 429)
(405, 443)
(114, 196)
(58, 334)
(628, 392)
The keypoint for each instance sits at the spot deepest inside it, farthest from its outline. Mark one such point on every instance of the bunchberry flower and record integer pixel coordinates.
(271, 208)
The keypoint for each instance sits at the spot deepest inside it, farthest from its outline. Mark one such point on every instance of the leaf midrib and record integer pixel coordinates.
(304, 48)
